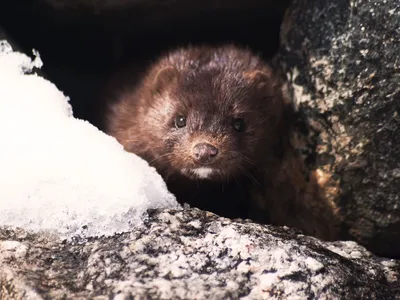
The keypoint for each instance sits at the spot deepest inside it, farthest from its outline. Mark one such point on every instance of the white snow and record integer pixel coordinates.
(60, 173)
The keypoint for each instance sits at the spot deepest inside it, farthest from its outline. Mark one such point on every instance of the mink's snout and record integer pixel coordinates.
(204, 153)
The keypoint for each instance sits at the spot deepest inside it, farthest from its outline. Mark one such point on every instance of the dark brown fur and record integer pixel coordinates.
(261, 174)
(211, 86)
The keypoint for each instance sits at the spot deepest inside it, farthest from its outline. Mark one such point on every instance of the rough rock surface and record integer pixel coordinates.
(342, 59)
(192, 254)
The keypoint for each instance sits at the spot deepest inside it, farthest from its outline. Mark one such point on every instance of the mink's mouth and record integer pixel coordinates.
(201, 172)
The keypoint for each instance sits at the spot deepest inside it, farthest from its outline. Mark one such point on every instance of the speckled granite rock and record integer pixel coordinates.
(343, 61)
(192, 255)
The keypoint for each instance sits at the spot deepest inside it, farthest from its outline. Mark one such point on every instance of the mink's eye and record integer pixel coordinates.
(180, 121)
(238, 124)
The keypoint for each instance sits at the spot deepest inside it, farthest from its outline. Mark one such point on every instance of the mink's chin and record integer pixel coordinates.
(212, 172)
(201, 172)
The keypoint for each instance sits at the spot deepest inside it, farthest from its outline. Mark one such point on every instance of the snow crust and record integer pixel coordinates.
(60, 173)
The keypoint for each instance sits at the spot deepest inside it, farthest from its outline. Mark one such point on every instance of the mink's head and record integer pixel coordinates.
(208, 116)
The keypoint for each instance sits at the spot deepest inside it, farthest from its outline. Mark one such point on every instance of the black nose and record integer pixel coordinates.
(204, 153)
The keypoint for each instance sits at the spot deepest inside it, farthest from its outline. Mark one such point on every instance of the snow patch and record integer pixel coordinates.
(60, 173)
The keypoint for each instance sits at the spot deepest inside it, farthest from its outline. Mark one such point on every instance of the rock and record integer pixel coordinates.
(192, 254)
(342, 61)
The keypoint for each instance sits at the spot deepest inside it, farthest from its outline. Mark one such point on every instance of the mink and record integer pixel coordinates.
(216, 123)
(208, 118)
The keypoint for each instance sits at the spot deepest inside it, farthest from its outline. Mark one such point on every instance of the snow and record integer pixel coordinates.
(59, 173)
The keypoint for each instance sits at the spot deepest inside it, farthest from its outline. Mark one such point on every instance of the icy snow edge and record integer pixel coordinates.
(59, 173)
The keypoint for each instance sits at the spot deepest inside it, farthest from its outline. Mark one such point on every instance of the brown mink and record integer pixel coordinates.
(209, 119)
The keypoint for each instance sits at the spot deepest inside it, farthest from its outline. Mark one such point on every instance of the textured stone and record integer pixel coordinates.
(342, 60)
(192, 254)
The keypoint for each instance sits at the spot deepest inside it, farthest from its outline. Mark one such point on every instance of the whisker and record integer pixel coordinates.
(167, 177)
(161, 156)
(248, 160)
(251, 177)
(244, 157)
(234, 177)
(220, 173)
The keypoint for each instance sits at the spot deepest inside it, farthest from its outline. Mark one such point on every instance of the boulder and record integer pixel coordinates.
(342, 61)
(192, 254)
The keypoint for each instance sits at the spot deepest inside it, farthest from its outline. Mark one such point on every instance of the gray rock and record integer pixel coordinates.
(342, 60)
(192, 254)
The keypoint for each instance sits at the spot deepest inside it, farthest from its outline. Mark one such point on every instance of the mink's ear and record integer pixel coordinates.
(258, 77)
(165, 77)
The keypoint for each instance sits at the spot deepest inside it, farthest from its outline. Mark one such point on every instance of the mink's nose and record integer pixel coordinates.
(204, 153)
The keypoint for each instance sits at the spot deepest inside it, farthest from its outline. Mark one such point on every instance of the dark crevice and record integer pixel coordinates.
(80, 41)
